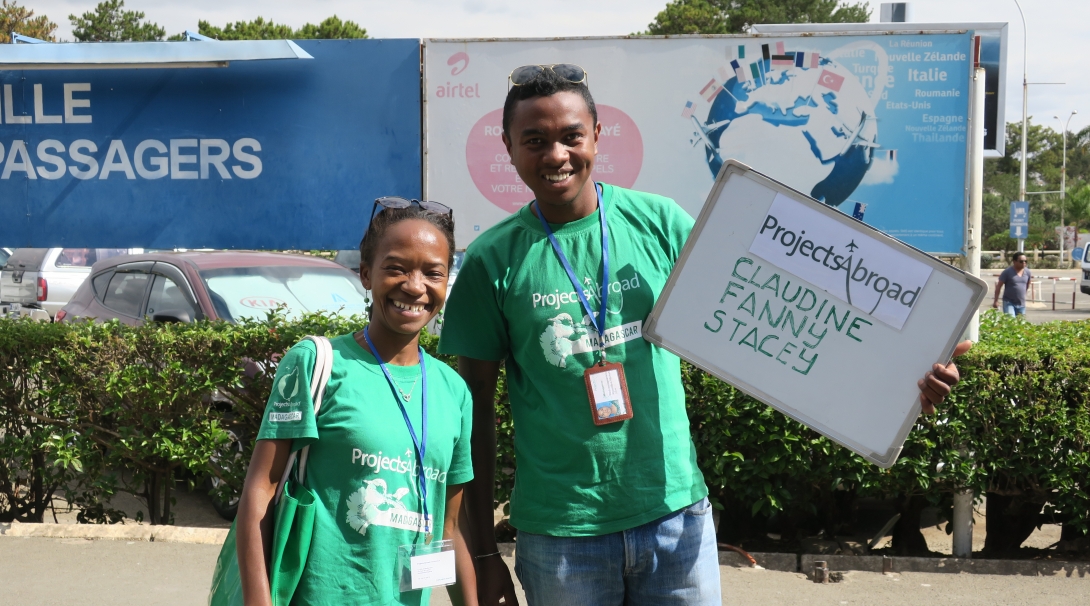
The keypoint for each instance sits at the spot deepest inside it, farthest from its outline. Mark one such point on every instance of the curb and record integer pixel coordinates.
(782, 562)
(900, 564)
(118, 532)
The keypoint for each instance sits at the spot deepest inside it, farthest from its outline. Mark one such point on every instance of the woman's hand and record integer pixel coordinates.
(464, 591)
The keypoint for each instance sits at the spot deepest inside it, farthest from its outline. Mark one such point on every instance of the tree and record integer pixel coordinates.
(735, 16)
(109, 23)
(260, 29)
(21, 20)
(330, 29)
(1044, 153)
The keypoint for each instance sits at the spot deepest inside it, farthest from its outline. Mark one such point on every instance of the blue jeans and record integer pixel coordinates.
(1013, 310)
(672, 560)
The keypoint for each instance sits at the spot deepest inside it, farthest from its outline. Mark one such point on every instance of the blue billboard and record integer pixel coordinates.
(285, 154)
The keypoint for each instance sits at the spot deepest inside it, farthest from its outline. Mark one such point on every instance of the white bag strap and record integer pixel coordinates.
(323, 366)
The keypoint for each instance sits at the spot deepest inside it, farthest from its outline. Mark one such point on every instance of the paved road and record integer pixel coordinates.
(1041, 311)
(76, 572)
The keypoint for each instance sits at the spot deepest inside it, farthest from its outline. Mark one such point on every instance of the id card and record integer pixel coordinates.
(608, 393)
(424, 566)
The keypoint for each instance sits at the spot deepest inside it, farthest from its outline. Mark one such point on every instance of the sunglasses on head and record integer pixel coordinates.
(527, 73)
(399, 202)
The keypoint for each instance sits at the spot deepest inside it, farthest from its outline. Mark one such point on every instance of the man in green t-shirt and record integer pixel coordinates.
(609, 509)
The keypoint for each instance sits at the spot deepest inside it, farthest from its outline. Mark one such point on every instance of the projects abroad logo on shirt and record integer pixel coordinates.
(287, 387)
(375, 504)
(563, 336)
(852, 266)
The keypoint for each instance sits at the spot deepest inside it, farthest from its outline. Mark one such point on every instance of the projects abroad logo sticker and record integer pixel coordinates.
(849, 265)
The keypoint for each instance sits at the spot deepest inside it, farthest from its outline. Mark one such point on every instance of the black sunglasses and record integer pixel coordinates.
(399, 202)
(527, 73)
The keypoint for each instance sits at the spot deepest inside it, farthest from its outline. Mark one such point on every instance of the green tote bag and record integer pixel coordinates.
(293, 526)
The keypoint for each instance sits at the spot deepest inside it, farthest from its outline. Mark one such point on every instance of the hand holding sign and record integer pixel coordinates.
(936, 384)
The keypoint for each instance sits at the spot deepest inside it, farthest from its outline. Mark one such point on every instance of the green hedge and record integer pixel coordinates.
(96, 409)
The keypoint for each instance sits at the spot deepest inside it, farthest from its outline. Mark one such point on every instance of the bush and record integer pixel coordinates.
(94, 409)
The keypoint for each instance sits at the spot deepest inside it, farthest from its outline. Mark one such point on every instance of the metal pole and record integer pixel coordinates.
(1063, 188)
(963, 524)
(976, 186)
(963, 499)
(1025, 99)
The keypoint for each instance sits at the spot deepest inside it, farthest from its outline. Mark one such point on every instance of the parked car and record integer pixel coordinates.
(1084, 285)
(227, 285)
(348, 259)
(46, 278)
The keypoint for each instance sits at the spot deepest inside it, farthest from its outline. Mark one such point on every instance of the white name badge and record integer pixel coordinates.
(423, 566)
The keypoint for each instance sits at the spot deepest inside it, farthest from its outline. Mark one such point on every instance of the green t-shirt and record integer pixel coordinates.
(362, 465)
(514, 301)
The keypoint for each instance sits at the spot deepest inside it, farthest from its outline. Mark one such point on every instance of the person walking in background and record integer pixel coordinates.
(1014, 282)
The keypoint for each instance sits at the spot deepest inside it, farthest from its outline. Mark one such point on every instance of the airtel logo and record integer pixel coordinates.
(457, 58)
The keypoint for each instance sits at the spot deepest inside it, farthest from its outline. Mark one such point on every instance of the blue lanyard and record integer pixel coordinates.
(423, 441)
(600, 321)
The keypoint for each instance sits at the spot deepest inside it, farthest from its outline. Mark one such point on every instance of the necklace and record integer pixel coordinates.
(406, 396)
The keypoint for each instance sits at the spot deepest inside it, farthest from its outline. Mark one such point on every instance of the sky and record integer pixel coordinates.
(1056, 29)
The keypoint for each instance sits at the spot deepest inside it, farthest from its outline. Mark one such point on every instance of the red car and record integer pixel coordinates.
(228, 285)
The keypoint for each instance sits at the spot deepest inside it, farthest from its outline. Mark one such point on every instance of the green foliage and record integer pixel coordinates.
(95, 409)
(260, 29)
(690, 17)
(30, 474)
(331, 29)
(1044, 172)
(735, 16)
(109, 23)
(21, 20)
(1017, 424)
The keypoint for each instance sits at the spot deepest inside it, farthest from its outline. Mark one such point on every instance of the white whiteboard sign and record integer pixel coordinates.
(833, 327)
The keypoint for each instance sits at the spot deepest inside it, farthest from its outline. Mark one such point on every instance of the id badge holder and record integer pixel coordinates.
(426, 565)
(607, 392)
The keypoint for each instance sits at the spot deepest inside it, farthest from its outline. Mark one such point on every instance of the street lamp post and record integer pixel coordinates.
(1025, 99)
(1063, 185)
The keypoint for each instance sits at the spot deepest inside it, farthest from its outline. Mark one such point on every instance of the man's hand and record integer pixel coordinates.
(494, 585)
(936, 384)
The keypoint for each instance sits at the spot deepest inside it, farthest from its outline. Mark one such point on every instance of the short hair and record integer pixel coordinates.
(388, 217)
(1018, 254)
(545, 84)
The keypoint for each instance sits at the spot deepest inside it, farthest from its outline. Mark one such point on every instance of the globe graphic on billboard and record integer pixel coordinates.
(800, 117)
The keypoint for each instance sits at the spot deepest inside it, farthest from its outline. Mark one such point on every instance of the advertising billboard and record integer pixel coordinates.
(993, 58)
(875, 125)
(259, 154)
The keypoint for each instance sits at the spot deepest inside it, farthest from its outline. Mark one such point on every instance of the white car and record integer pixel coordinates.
(1085, 284)
(46, 278)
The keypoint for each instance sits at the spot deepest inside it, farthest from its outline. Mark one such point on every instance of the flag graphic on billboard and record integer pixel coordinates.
(830, 80)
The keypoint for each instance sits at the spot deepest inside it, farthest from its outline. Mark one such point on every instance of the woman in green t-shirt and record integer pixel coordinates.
(390, 446)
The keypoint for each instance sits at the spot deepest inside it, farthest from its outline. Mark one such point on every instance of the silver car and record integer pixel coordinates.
(46, 278)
